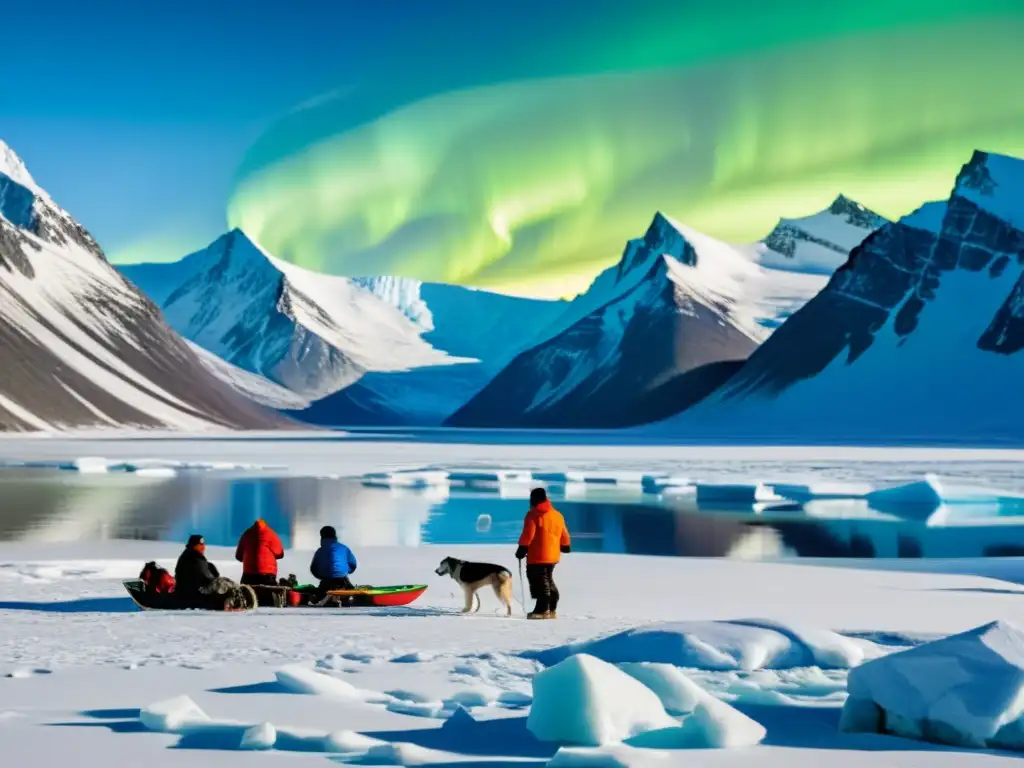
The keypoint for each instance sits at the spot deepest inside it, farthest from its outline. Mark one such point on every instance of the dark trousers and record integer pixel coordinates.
(326, 585)
(259, 579)
(542, 587)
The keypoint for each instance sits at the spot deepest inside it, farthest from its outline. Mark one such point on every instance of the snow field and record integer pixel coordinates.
(420, 685)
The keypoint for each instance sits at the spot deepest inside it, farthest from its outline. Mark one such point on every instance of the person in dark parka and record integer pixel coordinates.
(193, 573)
(333, 563)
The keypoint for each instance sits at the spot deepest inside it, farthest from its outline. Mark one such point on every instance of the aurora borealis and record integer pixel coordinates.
(517, 147)
(533, 185)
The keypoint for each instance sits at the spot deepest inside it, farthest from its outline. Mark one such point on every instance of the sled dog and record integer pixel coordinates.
(473, 577)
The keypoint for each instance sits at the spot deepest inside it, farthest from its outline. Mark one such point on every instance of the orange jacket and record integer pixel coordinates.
(544, 535)
(259, 549)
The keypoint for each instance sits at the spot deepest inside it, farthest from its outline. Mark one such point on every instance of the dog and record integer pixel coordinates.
(473, 577)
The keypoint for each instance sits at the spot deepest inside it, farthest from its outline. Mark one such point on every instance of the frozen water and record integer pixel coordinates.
(731, 493)
(260, 736)
(926, 496)
(967, 690)
(172, 715)
(678, 694)
(583, 700)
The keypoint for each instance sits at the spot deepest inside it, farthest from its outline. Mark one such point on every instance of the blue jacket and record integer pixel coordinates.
(333, 560)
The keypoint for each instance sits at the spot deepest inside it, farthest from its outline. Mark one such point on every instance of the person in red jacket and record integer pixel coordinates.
(258, 551)
(544, 540)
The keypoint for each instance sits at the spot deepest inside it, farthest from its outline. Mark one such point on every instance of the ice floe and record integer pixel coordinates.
(97, 465)
(930, 494)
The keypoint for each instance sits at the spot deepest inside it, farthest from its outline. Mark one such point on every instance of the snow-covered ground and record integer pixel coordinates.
(80, 662)
(86, 677)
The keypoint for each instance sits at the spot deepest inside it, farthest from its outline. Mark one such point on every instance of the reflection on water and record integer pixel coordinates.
(52, 506)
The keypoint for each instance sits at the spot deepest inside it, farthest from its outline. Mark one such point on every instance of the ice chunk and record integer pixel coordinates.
(926, 496)
(746, 644)
(488, 478)
(676, 484)
(304, 680)
(172, 715)
(156, 472)
(966, 690)
(678, 694)
(592, 477)
(261, 736)
(586, 701)
(348, 742)
(710, 723)
(407, 479)
(716, 725)
(735, 494)
(90, 465)
(821, 491)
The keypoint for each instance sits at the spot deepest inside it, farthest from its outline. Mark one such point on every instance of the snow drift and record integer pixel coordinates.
(745, 644)
(83, 348)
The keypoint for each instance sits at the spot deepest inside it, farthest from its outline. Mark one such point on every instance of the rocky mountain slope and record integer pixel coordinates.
(918, 337)
(658, 332)
(80, 346)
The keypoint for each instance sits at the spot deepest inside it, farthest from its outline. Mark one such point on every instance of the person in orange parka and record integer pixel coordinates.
(258, 551)
(544, 539)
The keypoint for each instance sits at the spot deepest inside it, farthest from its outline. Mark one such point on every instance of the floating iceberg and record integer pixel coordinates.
(924, 497)
(821, 491)
(406, 479)
(735, 494)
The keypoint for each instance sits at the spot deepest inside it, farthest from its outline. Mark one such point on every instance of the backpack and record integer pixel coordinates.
(157, 579)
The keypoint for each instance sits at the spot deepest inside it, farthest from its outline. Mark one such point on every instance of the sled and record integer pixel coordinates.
(359, 597)
(381, 597)
(164, 601)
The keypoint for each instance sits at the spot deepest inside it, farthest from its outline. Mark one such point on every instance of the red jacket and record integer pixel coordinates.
(544, 535)
(259, 549)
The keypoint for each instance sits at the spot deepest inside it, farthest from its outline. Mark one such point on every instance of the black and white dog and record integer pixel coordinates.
(473, 577)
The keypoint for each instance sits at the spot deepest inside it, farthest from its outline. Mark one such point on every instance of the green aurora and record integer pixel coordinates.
(726, 119)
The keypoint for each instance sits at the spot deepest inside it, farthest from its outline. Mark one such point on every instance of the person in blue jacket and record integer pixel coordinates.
(333, 563)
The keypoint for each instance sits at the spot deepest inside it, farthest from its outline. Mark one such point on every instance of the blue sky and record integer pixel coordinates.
(136, 115)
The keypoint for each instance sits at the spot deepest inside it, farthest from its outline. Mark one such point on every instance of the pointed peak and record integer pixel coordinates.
(12, 166)
(855, 213)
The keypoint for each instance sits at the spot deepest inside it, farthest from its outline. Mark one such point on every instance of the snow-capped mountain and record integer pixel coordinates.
(917, 337)
(80, 346)
(657, 332)
(314, 334)
(378, 350)
(820, 243)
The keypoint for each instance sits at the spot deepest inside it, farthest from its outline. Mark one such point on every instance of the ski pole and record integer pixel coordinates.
(522, 592)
